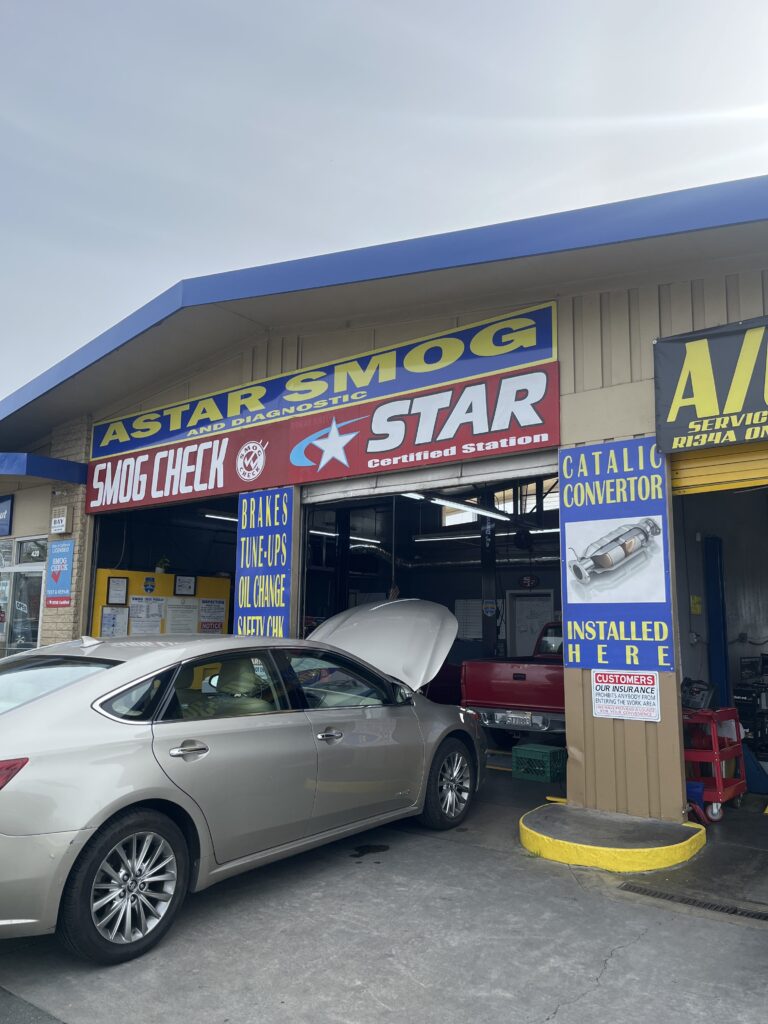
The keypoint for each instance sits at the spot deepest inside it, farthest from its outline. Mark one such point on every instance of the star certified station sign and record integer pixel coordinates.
(482, 390)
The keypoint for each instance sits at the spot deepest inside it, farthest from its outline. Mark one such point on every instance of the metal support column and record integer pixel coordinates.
(488, 579)
(341, 580)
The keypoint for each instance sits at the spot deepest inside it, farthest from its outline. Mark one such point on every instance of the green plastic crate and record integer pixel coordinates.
(538, 762)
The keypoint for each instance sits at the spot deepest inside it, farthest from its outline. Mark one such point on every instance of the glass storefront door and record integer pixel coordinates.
(22, 564)
(24, 617)
(5, 596)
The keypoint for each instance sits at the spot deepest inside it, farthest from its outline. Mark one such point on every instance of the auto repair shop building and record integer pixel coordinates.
(397, 413)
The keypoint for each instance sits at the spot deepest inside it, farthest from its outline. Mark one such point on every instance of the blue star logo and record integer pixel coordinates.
(331, 443)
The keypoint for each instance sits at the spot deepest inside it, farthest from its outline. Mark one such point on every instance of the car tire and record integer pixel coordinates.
(450, 786)
(111, 887)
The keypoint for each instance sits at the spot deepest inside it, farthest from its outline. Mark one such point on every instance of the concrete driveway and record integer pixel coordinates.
(402, 925)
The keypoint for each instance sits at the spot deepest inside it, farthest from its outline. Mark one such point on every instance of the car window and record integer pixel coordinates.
(232, 686)
(24, 679)
(138, 703)
(551, 640)
(331, 682)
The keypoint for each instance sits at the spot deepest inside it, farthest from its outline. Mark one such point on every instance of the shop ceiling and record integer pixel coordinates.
(506, 263)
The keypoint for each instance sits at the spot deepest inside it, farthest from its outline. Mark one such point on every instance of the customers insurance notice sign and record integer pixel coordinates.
(264, 562)
(617, 613)
(631, 695)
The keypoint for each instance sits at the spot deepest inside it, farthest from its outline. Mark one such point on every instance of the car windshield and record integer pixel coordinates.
(24, 679)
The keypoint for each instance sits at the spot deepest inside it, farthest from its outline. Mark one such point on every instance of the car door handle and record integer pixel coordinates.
(189, 747)
(518, 675)
(330, 734)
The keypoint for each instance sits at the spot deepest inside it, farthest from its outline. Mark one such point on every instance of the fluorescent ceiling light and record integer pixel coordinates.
(462, 506)
(220, 515)
(327, 533)
(436, 537)
(465, 506)
(447, 536)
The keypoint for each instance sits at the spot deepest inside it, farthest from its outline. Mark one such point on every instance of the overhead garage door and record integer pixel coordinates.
(727, 468)
(456, 474)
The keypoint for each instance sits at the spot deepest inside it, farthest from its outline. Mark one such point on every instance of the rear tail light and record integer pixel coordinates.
(10, 768)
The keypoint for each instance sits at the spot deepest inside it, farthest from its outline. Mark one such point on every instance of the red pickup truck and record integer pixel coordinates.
(514, 697)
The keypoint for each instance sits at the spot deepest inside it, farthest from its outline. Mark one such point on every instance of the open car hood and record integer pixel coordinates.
(408, 639)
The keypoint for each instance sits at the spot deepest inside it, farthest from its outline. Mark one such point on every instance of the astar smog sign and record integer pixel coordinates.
(479, 391)
(712, 387)
(617, 612)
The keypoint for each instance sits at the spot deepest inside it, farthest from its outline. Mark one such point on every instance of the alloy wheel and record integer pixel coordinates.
(133, 887)
(453, 784)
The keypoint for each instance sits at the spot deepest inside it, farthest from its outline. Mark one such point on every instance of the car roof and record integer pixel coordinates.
(157, 652)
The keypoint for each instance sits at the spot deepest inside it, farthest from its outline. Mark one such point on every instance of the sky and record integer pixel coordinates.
(146, 142)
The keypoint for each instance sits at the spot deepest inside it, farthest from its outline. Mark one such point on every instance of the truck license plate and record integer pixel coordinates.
(522, 720)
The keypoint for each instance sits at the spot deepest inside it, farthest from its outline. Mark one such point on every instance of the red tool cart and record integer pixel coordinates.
(706, 751)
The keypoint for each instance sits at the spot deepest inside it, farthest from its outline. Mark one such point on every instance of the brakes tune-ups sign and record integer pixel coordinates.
(712, 386)
(264, 563)
(485, 389)
(617, 608)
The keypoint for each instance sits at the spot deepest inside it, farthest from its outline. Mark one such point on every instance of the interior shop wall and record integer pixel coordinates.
(136, 541)
(739, 520)
(448, 584)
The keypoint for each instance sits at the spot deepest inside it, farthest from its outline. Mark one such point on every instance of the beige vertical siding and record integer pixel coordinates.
(605, 343)
(606, 361)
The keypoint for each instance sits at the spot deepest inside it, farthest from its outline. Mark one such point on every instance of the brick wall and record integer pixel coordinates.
(70, 441)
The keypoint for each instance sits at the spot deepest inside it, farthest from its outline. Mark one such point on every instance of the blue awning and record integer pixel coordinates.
(22, 464)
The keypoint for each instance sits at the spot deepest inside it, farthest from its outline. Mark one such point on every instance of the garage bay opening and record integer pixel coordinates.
(488, 553)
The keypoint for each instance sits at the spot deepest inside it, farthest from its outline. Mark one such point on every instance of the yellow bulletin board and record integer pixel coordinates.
(144, 605)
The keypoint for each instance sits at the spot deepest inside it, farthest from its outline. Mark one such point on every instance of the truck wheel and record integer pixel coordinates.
(450, 786)
(126, 889)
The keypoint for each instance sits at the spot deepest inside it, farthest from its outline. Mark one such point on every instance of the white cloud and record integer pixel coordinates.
(147, 142)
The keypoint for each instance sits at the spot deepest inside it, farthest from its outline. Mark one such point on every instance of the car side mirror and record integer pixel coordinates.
(402, 694)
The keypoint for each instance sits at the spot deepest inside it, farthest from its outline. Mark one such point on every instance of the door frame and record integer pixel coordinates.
(511, 596)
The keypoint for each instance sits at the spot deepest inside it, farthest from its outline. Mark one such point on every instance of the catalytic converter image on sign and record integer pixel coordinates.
(614, 549)
(618, 561)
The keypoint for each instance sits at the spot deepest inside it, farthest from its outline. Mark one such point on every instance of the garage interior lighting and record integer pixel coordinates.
(363, 540)
(220, 515)
(462, 506)
(424, 537)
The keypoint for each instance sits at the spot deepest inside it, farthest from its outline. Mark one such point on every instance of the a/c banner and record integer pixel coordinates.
(617, 609)
(712, 386)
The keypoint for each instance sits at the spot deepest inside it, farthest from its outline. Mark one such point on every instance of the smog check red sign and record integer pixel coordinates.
(627, 695)
(504, 410)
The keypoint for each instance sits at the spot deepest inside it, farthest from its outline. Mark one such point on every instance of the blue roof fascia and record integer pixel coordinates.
(24, 464)
(688, 210)
(696, 209)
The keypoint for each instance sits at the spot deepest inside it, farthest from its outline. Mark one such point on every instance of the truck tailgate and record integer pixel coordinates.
(529, 686)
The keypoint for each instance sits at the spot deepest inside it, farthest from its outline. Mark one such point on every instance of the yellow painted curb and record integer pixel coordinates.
(612, 858)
